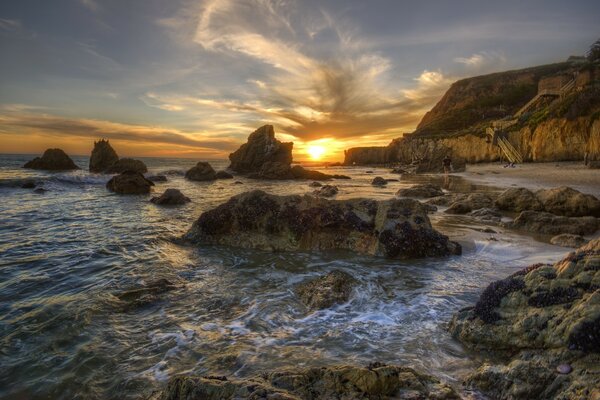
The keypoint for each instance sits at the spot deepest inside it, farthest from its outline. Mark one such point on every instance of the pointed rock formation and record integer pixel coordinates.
(103, 156)
(52, 160)
(261, 147)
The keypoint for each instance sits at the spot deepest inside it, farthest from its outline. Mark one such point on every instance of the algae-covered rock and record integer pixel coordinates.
(103, 156)
(327, 290)
(518, 199)
(550, 224)
(129, 182)
(569, 202)
(202, 171)
(424, 191)
(396, 228)
(52, 160)
(567, 240)
(171, 197)
(127, 164)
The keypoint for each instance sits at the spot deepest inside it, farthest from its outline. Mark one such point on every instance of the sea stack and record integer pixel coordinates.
(103, 156)
(52, 160)
(261, 148)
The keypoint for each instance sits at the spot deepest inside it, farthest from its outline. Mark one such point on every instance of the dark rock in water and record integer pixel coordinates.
(30, 184)
(299, 172)
(129, 182)
(40, 191)
(238, 183)
(377, 381)
(399, 171)
(315, 184)
(550, 224)
(517, 200)
(273, 170)
(543, 316)
(326, 191)
(487, 215)
(378, 181)
(203, 171)
(145, 294)
(127, 164)
(261, 147)
(388, 180)
(424, 191)
(474, 201)
(368, 172)
(392, 228)
(52, 160)
(223, 175)
(567, 240)
(171, 197)
(103, 156)
(568, 202)
(157, 178)
(327, 290)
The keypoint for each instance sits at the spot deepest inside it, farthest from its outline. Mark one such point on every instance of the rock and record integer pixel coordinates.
(517, 200)
(564, 369)
(447, 199)
(201, 172)
(567, 240)
(273, 170)
(377, 381)
(126, 164)
(157, 178)
(238, 183)
(326, 291)
(569, 202)
(52, 160)
(223, 175)
(29, 184)
(315, 184)
(399, 171)
(171, 197)
(421, 191)
(486, 215)
(40, 191)
(550, 224)
(129, 182)
(300, 172)
(326, 191)
(144, 295)
(378, 181)
(392, 228)
(472, 202)
(103, 156)
(261, 147)
(544, 316)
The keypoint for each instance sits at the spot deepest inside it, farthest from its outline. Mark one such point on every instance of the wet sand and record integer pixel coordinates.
(536, 176)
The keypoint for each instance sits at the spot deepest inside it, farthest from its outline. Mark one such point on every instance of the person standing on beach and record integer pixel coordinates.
(447, 163)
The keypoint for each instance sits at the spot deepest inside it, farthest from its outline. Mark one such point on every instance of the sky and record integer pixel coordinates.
(193, 78)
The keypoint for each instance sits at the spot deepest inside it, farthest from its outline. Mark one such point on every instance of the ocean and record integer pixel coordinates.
(68, 253)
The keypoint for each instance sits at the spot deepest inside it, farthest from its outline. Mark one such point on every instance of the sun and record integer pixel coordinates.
(315, 152)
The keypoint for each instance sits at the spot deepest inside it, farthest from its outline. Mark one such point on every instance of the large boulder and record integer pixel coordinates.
(379, 181)
(567, 240)
(392, 228)
(569, 202)
(472, 202)
(202, 171)
(126, 164)
(129, 182)
(424, 191)
(376, 381)
(548, 318)
(103, 156)
(52, 160)
(326, 191)
(300, 172)
(327, 290)
(223, 175)
(260, 148)
(273, 170)
(550, 224)
(171, 197)
(518, 199)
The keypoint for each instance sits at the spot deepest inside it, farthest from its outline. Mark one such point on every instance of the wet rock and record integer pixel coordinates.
(569, 202)
(315, 184)
(550, 224)
(399, 171)
(145, 294)
(326, 191)
(567, 240)
(472, 202)
(52, 160)
(157, 178)
(425, 191)
(238, 183)
(378, 181)
(126, 164)
(544, 316)
(223, 175)
(564, 369)
(518, 199)
(327, 290)
(103, 156)
(129, 182)
(30, 184)
(396, 228)
(273, 170)
(203, 171)
(377, 381)
(300, 172)
(261, 147)
(40, 191)
(446, 199)
(487, 215)
(171, 197)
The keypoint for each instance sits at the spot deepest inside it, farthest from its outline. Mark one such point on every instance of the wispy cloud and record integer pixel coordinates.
(91, 5)
(10, 24)
(484, 59)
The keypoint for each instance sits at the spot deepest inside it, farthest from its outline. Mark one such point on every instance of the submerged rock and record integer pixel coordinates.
(223, 175)
(567, 240)
(569, 202)
(517, 200)
(145, 294)
(327, 290)
(261, 147)
(487, 215)
(377, 381)
(129, 182)
(392, 228)
(52, 160)
(425, 191)
(315, 184)
(28, 184)
(326, 191)
(126, 164)
(171, 197)
(472, 202)
(550, 224)
(300, 172)
(103, 156)
(545, 315)
(202, 171)
(378, 181)
(157, 178)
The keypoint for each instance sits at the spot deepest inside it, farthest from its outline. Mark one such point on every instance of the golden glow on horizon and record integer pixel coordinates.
(316, 152)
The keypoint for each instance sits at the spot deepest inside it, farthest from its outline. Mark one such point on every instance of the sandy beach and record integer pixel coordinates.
(536, 176)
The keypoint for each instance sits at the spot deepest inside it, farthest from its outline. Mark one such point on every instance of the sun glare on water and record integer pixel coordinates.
(316, 152)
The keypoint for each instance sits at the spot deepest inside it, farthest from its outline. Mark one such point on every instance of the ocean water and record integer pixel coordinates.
(67, 254)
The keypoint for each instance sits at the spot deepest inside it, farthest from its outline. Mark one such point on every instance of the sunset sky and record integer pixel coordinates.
(191, 78)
